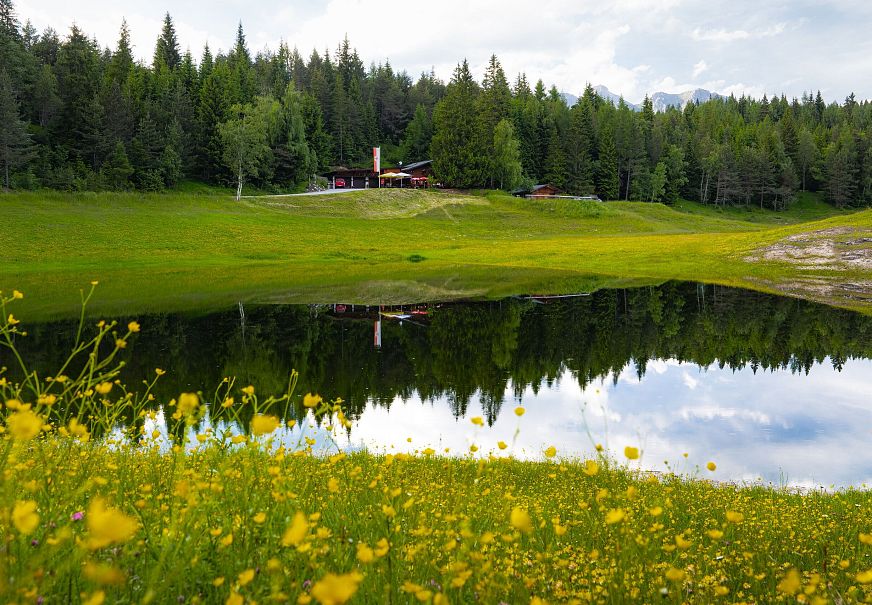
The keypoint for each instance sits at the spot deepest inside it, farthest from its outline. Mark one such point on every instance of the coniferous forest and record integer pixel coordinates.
(75, 116)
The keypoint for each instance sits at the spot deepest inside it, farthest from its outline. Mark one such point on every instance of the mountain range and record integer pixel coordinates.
(660, 100)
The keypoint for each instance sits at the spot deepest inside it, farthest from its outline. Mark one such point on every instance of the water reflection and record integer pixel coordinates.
(766, 386)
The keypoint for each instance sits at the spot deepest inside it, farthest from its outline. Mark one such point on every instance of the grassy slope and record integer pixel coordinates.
(188, 251)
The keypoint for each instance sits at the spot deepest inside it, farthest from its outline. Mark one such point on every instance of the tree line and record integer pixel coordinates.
(75, 116)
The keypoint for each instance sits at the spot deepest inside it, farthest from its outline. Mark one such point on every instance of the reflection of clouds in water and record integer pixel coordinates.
(778, 426)
(772, 426)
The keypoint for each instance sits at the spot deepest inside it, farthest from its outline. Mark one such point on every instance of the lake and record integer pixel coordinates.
(774, 390)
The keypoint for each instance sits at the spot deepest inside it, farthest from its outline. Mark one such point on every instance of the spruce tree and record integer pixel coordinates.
(457, 152)
(419, 134)
(122, 59)
(15, 148)
(8, 20)
(494, 105)
(167, 53)
(116, 169)
(555, 161)
(608, 181)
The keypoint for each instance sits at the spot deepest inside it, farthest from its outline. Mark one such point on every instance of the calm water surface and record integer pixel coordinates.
(772, 389)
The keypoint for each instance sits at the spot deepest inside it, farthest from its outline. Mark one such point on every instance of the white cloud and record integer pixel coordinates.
(689, 381)
(699, 68)
(725, 35)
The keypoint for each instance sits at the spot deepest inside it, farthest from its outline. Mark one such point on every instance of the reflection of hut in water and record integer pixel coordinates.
(414, 314)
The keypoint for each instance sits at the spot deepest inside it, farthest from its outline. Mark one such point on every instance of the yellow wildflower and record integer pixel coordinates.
(104, 574)
(520, 520)
(103, 388)
(675, 575)
(591, 468)
(865, 577)
(108, 525)
(46, 400)
(364, 553)
(311, 401)
(234, 599)
(715, 534)
(24, 425)
(502, 445)
(632, 453)
(382, 547)
(259, 518)
(866, 538)
(263, 425)
(188, 403)
(335, 589)
(477, 421)
(296, 531)
(98, 598)
(245, 577)
(551, 452)
(711, 466)
(735, 517)
(133, 327)
(519, 411)
(616, 515)
(791, 583)
(24, 517)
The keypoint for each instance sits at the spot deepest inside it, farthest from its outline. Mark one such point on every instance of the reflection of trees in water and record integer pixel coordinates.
(475, 351)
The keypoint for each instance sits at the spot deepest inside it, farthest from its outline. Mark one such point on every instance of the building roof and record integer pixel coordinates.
(342, 171)
(415, 165)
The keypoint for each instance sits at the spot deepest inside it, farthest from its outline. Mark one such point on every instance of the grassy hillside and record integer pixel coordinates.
(176, 251)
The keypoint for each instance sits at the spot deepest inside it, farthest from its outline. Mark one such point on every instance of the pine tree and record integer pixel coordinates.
(15, 148)
(167, 53)
(842, 171)
(78, 75)
(456, 149)
(116, 169)
(607, 181)
(807, 155)
(213, 107)
(8, 20)
(494, 105)
(555, 161)
(122, 59)
(419, 134)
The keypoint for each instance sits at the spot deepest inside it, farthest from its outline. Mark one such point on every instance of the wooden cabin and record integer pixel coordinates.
(545, 190)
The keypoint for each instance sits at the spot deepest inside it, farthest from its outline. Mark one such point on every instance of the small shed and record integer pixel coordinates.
(544, 190)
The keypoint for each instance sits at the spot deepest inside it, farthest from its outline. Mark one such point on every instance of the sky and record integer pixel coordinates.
(633, 47)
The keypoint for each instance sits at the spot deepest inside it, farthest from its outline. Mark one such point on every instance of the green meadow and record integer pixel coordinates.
(200, 251)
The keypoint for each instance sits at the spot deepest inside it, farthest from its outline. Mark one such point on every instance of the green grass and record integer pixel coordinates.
(187, 251)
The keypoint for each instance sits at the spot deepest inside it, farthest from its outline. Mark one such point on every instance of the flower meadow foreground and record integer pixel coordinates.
(109, 495)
